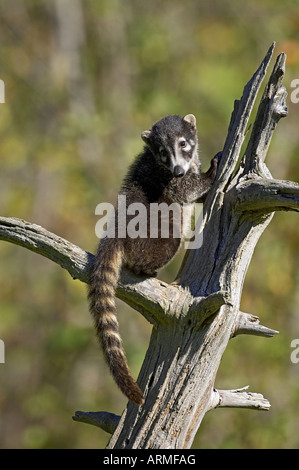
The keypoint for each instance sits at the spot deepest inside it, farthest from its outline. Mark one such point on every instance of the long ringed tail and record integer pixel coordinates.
(103, 277)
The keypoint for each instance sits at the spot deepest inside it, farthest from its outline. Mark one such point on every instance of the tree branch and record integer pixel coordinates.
(198, 281)
(156, 300)
(239, 121)
(147, 295)
(102, 419)
(238, 399)
(267, 195)
(271, 109)
(249, 324)
(37, 239)
(203, 308)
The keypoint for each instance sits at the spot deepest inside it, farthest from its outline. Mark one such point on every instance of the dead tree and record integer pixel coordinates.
(194, 318)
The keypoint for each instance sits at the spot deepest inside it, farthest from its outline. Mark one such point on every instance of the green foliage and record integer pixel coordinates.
(82, 80)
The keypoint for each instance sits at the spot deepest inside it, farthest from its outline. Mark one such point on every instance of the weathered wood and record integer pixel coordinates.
(250, 325)
(37, 239)
(148, 296)
(180, 366)
(238, 399)
(194, 318)
(106, 421)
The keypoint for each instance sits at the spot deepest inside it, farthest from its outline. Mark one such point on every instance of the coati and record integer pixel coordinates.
(168, 170)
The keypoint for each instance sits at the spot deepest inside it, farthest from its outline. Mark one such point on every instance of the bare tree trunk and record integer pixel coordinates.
(194, 318)
(186, 347)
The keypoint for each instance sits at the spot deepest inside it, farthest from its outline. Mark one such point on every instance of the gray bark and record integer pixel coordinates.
(194, 318)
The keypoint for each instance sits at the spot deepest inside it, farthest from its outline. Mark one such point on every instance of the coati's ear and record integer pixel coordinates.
(145, 136)
(191, 119)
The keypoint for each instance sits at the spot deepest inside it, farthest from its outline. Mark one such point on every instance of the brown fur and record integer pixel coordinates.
(147, 181)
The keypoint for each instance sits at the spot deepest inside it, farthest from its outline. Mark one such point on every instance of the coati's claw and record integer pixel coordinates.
(218, 156)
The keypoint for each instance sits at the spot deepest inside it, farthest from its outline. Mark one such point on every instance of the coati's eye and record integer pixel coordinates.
(184, 144)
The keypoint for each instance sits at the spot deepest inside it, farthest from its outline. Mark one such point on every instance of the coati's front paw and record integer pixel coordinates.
(211, 173)
(215, 160)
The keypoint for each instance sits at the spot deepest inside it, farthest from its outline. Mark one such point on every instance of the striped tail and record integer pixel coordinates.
(103, 277)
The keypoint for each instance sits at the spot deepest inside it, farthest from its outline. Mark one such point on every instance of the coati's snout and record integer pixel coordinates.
(178, 171)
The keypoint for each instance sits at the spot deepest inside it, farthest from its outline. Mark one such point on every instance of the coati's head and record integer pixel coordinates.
(173, 141)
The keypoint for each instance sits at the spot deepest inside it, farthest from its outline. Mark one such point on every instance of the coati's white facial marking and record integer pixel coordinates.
(179, 155)
(184, 144)
(178, 158)
(174, 144)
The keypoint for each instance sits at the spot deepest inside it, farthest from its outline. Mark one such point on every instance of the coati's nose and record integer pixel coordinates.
(178, 171)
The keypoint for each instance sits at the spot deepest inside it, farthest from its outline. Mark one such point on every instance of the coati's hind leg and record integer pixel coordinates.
(140, 271)
(149, 255)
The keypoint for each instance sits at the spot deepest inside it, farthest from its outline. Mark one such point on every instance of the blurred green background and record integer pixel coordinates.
(83, 79)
